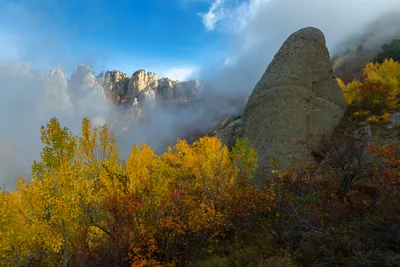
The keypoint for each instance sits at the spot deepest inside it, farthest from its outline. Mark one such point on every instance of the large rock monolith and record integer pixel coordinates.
(297, 95)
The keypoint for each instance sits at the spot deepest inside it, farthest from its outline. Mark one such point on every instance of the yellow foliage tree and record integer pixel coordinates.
(340, 83)
(379, 91)
(84, 204)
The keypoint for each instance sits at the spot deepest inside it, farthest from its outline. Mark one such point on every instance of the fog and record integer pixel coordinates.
(256, 31)
(253, 33)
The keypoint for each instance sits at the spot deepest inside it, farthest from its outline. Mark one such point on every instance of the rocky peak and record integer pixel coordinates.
(188, 88)
(56, 87)
(115, 84)
(58, 76)
(142, 80)
(297, 95)
(113, 80)
(84, 81)
(136, 94)
(166, 83)
(303, 60)
(165, 89)
(112, 76)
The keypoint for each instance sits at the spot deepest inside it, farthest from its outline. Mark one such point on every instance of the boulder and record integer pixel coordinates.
(229, 133)
(296, 96)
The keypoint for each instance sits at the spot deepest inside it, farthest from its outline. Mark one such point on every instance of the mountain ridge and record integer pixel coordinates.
(134, 95)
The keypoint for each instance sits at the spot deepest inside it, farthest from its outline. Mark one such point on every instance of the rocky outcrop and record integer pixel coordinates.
(136, 95)
(115, 84)
(187, 89)
(142, 80)
(147, 99)
(57, 88)
(297, 95)
(145, 90)
(229, 133)
(83, 82)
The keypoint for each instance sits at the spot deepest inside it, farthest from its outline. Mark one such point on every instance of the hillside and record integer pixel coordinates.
(359, 49)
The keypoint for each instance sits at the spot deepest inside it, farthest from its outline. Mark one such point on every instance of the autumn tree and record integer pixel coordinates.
(378, 93)
(46, 206)
(86, 207)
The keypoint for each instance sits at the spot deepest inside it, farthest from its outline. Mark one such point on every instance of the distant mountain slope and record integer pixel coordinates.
(133, 95)
(355, 52)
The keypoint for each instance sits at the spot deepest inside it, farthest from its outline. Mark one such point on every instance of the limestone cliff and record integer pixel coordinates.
(135, 96)
(115, 84)
(145, 89)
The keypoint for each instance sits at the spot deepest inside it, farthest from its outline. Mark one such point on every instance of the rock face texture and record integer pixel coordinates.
(233, 130)
(142, 80)
(83, 81)
(115, 84)
(134, 96)
(145, 89)
(297, 95)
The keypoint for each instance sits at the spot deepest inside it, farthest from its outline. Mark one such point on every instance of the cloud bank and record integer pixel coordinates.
(257, 28)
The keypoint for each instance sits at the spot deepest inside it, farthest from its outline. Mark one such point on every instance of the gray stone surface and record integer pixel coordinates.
(228, 134)
(297, 95)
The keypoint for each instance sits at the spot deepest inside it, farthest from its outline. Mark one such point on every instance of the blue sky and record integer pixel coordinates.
(174, 38)
(156, 34)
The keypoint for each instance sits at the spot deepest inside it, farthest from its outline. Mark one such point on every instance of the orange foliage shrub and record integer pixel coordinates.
(345, 213)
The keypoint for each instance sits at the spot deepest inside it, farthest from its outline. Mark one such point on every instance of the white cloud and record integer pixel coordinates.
(255, 20)
(214, 14)
(255, 29)
(180, 74)
(229, 14)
